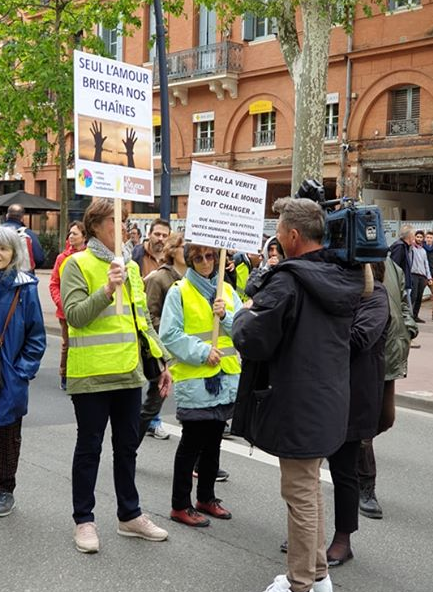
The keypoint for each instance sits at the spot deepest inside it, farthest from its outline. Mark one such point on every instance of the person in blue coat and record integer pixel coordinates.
(24, 344)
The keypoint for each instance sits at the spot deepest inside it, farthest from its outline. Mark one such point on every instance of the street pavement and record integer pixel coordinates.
(241, 555)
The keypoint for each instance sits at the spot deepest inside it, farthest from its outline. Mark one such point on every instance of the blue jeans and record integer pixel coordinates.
(92, 411)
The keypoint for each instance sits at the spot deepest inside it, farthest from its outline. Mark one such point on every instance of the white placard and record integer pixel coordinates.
(225, 209)
(113, 128)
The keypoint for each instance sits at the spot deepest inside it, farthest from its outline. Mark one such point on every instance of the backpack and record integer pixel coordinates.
(27, 247)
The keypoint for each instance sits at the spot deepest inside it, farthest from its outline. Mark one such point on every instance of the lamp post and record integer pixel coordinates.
(165, 115)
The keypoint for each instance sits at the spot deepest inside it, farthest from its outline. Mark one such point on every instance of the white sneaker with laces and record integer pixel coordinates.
(143, 528)
(158, 433)
(324, 585)
(86, 537)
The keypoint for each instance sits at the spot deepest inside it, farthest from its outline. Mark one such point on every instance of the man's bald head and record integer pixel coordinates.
(15, 212)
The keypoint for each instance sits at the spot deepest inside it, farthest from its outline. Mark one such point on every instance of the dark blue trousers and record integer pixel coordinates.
(92, 411)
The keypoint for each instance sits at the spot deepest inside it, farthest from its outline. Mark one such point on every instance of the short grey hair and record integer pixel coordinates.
(406, 230)
(9, 238)
(303, 214)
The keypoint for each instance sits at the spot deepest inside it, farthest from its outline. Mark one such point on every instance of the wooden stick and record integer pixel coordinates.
(118, 248)
(216, 319)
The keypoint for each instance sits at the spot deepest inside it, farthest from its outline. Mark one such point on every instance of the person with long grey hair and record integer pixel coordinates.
(22, 341)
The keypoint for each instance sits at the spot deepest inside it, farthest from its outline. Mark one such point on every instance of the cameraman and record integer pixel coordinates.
(293, 399)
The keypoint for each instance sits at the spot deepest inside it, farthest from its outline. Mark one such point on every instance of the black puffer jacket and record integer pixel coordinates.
(293, 399)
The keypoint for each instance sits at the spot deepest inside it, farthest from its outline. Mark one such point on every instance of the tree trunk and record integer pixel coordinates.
(64, 214)
(309, 71)
(63, 230)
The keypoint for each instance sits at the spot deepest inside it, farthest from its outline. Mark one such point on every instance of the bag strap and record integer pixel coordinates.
(10, 313)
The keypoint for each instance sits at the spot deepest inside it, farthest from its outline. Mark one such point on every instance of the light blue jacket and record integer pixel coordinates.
(192, 394)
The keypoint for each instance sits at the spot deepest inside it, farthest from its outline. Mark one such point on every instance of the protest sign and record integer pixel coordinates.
(225, 209)
(113, 128)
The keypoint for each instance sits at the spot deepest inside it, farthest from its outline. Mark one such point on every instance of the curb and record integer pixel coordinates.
(415, 402)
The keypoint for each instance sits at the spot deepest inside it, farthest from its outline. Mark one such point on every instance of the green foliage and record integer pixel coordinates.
(50, 245)
(36, 64)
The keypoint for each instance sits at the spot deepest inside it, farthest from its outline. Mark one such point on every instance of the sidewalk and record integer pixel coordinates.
(415, 391)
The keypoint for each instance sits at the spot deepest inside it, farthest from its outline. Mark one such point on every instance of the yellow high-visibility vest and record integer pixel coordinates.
(198, 321)
(109, 344)
(242, 275)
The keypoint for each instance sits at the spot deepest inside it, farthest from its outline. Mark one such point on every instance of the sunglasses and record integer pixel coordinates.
(206, 257)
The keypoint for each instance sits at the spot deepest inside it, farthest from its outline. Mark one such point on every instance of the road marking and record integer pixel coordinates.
(242, 450)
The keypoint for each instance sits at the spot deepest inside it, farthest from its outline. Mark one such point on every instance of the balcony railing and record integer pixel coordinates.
(331, 131)
(157, 147)
(403, 127)
(264, 138)
(203, 145)
(203, 61)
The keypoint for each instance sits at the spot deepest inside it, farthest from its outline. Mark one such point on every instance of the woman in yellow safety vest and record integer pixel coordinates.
(205, 380)
(104, 373)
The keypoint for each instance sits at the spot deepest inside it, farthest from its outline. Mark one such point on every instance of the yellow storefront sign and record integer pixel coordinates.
(156, 120)
(260, 107)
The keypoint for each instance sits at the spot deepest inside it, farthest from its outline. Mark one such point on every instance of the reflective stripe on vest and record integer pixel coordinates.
(198, 321)
(109, 343)
(242, 275)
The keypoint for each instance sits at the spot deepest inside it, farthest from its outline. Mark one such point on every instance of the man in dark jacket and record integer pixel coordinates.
(401, 253)
(14, 219)
(294, 391)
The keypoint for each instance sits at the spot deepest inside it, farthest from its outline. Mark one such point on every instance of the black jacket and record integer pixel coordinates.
(293, 398)
(401, 253)
(367, 364)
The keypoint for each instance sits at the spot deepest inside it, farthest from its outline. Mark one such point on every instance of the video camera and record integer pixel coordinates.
(354, 233)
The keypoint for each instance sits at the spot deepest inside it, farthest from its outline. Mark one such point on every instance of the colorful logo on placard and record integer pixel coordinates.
(85, 178)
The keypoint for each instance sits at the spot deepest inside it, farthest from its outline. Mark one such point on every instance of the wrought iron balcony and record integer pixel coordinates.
(203, 61)
(204, 144)
(403, 127)
(157, 147)
(264, 138)
(331, 131)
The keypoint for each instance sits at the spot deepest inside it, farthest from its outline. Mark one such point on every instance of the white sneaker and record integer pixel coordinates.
(280, 584)
(86, 537)
(158, 433)
(324, 585)
(143, 528)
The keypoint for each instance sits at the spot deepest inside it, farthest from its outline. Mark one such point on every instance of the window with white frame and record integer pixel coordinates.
(403, 4)
(113, 41)
(331, 121)
(204, 136)
(258, 27)
(156, 140)
(405, 111)
(264, 133)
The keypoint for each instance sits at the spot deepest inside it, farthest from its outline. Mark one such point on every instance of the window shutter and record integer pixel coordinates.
(274, 26)
(415, 102)
(248, 26)
(399, 104)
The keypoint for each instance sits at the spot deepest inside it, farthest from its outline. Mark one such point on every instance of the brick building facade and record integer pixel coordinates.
(232, 105)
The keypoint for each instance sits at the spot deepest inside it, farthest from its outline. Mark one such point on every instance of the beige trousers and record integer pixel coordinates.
(306, 553)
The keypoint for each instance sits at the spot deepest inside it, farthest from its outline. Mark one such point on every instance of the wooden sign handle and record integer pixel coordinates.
(221, 271)
(118, 248)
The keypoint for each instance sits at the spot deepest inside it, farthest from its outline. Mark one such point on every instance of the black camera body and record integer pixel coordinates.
(354, 233)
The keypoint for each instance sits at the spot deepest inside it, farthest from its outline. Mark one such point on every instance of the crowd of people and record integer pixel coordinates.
(303, 363)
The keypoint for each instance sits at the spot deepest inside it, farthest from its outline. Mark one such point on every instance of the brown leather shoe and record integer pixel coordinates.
(214, 508)
(190, 517)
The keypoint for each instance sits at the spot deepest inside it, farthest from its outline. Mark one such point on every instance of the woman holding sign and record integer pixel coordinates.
(205, 380)
(105, 374)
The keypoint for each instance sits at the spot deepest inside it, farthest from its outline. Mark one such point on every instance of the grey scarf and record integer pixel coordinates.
(104, 253)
